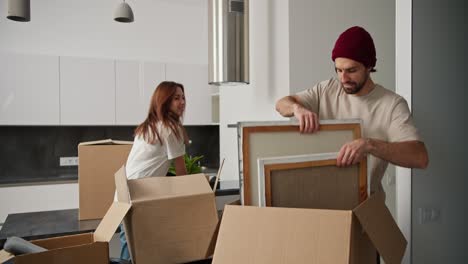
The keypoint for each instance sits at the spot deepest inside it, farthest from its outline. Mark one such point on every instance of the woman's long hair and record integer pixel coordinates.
(159, 111)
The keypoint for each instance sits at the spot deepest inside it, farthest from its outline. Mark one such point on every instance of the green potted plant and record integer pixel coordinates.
(192, 164)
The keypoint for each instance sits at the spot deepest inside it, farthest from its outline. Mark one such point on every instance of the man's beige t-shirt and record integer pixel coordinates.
(385, 116)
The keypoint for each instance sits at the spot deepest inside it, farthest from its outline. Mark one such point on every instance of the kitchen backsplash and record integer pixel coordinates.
(32, 153)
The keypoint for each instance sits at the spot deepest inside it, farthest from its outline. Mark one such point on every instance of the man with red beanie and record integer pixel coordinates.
(388, 131)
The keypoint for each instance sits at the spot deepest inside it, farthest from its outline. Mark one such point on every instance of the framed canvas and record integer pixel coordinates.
(311, 181)
(282, 138)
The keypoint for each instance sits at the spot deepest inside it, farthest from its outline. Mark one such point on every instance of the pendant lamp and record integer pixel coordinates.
(123, 13)
(19, 10)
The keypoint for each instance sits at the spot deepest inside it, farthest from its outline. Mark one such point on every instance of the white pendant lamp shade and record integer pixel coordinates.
(123, 13)
(19, 10)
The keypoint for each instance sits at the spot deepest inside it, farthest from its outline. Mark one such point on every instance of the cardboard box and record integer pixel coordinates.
(172, 219)
(89, 248)
(290, 235)
(98, 161)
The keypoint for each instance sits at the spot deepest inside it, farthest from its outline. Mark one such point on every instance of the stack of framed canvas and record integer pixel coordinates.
(310, 181)
(277, 168)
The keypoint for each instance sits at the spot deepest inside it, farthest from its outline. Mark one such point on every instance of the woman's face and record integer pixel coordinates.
(178, 102)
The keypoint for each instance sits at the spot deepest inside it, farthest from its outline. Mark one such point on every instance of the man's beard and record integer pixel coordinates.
(355, 87)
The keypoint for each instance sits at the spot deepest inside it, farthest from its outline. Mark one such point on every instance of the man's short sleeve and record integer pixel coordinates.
(309, 98)
(174, 147)
(401, 123)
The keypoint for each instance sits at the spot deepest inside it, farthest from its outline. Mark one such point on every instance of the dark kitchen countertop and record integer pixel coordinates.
(37, 225)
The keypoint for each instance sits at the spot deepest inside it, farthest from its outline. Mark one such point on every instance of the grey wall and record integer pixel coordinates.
(314, 27)
(440, 42)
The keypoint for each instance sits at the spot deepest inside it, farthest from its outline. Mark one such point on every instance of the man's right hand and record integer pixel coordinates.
(308, 120)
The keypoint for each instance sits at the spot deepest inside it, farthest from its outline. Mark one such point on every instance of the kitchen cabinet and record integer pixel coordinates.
(87, 91)
(197, 91)
(135, 84)
(153, 74)
(128, 93)
(29, 89)
(53, 90)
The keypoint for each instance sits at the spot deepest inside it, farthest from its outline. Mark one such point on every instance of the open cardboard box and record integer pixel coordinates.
(89, 248)
(171, 220)
(98, 162)
(290, 235)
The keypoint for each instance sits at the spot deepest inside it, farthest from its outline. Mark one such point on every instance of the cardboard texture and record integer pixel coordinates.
(362, 249)
(378, 222)
(90, 248)
(291, 235)
(98, 161)
(283, 235)
(4, 256)
(172, 220)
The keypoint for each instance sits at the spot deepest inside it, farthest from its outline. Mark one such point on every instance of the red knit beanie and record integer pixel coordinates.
(356, 44)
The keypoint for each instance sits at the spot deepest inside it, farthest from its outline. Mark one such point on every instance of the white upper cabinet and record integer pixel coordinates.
(87, 91)
(197, 91)
(135, 84)
(53, 90)
(153, 74)
(128, 94)
(29, 89)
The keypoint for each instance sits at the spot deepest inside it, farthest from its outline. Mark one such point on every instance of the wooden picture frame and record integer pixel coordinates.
(282, 138)
(311, 181)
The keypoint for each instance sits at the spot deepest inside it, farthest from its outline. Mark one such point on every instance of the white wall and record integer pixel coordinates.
(269, 78)
(164, 30)
(403, 87)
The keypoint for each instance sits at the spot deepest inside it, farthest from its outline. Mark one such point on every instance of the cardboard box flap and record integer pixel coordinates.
(153, 188)
(92, 253)
(5, 256)
(376, 220)
(57, 242)
(121, 187)
(111, 221)
(106, 142)
(283, 235)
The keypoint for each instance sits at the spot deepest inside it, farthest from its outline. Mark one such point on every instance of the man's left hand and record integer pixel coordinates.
(352, 152)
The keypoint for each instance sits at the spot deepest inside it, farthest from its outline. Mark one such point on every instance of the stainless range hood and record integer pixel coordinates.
(228, 42)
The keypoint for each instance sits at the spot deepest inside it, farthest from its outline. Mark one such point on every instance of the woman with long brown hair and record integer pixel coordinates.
(158, 140)
(161, 137)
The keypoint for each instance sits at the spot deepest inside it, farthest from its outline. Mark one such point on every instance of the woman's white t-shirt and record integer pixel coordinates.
(149, 160)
